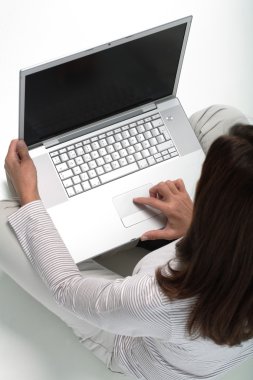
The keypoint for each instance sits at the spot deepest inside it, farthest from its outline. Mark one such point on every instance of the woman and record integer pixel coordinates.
(190, 318)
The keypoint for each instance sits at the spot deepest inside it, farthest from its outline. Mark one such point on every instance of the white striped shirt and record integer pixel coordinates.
(151, 340)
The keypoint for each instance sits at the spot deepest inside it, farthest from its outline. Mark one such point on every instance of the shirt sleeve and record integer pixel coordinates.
(132, 306)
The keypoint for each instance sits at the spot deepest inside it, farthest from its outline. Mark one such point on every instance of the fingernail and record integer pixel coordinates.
(144, 237)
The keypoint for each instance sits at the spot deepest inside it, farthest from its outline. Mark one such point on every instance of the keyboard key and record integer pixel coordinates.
(86, 185)
(165, 145)
(92, 173)
(138, 156)
(102, 152)
(117, 146)
(125, 134)
(118, 137)
(160, 139)
(107, 158)
(138, 147)
(141, 128)
(76, 179)
(87, 157)
(64, 157)
(63, 150)
(152, 150)
(55, 153)
(71, 163)
(115, 155)
(115, 165)
(123, 153)
(132, 140)
(145, 153)
(148, 126)
(100, 161)
(147, 135)
(56, 160)
(78, 189)
(77, 145)
(94, 182)
(103, 143)
(79, 151)
(151, 160)
(100, 170)
(92, 164)
(107, 168)
(61, 167)
(84, 167)
(84, 177)
(130, 159)
(157, 123)
(143, 164)
(70, 147)
(107, 177)
(131, 150)
(174, 154)
(66, 174)
(155, 132)
(70, 191)
(79, 160)
(87, 148)
(171, 150)
(95, 145)
(145, 144)
(72, 153)
(125, 143)
(133, 131)
(94, 155)
(122, 161)
(110, 149)
(153, 141)
(77, 170)
(67, 182)
(110, 140)
(140, 137)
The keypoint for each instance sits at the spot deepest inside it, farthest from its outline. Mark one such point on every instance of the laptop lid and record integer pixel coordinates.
(74, 92)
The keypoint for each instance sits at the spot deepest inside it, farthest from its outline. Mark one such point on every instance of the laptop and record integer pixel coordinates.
(103, 126)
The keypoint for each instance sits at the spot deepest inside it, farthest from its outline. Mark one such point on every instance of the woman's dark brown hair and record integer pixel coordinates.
(217, 251)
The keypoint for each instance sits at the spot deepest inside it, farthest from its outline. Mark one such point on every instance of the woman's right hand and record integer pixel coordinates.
(172, 199)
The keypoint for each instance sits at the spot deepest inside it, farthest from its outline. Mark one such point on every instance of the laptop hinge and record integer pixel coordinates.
(149, 107)
(49, 143)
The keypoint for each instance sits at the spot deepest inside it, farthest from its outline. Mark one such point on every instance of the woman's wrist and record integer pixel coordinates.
(28, 198)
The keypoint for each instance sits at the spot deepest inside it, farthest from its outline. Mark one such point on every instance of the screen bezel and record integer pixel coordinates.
(25, 72)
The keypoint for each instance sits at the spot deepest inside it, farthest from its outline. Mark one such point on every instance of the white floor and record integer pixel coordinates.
(34, 344)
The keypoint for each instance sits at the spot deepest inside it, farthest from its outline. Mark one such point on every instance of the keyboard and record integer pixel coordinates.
(108, 156)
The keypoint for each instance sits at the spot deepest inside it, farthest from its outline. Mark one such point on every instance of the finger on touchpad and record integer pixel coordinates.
(131, 213)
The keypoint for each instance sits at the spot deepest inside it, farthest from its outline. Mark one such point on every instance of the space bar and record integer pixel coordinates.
(107, 177)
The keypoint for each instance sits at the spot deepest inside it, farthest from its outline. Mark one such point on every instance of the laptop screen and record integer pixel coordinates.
(89, 88)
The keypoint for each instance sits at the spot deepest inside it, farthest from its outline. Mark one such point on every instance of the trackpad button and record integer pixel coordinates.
(131, 213)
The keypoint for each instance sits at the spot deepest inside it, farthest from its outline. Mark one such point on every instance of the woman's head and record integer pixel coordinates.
(218, 248)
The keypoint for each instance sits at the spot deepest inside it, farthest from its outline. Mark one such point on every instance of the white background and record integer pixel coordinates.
(217, 69)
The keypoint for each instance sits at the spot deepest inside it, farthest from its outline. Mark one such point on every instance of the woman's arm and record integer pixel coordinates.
(128, 306)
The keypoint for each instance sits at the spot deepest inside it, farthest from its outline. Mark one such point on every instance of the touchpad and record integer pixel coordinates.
(131, 213)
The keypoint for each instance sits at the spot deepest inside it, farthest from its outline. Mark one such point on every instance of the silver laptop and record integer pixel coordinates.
(102, 127)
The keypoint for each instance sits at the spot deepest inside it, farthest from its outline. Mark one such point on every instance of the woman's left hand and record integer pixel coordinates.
(22, 172)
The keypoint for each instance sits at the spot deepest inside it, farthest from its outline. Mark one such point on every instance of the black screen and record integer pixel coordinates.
(87, 89)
